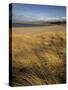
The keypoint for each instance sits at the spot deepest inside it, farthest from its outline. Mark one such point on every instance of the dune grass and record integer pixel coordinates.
(38, 58)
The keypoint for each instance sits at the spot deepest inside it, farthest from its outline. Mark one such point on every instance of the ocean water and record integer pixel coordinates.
(27, 25)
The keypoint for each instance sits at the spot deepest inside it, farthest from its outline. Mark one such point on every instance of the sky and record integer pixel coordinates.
(29, 12)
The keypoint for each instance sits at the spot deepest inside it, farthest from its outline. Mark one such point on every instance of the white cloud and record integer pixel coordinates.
(34, 19)
(52, 18)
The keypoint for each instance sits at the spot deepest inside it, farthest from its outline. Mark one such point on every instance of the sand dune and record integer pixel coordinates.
(39, 55)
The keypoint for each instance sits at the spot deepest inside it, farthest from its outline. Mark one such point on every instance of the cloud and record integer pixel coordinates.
(52, 18)
(25, 18)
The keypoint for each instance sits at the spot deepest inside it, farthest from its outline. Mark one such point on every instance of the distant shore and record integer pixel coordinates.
(37, 25)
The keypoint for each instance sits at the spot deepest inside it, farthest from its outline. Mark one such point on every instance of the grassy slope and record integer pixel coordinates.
(38, 56)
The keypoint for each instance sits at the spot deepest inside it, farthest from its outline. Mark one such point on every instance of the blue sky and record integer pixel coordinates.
(28, 12)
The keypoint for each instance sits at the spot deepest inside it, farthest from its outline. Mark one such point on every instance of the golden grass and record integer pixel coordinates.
(39, 55)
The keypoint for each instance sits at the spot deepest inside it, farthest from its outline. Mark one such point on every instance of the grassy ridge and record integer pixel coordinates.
(39, 58)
